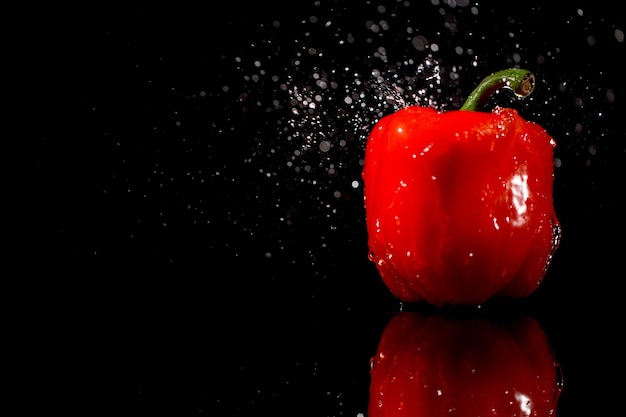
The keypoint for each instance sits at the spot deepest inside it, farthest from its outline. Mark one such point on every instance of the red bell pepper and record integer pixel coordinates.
(459, 204)
(430, 365)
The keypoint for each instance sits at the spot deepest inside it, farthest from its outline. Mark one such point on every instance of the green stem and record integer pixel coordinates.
(520, 81)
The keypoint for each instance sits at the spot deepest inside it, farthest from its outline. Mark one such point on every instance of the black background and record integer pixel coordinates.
(177, 255)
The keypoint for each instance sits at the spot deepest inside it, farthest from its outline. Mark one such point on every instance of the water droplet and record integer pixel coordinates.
(556, 235)
(559, 379)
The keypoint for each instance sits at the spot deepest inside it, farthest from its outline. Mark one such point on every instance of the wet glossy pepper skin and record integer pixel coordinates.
(459, 204)
(431, 365)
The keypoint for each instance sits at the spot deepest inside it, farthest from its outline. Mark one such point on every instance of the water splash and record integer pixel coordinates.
(326, 115)
(310, 96)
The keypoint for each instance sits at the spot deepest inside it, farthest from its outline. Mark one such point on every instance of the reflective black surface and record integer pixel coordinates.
(189, 245)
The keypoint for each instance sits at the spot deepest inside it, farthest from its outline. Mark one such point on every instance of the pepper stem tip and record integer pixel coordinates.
(520, 81)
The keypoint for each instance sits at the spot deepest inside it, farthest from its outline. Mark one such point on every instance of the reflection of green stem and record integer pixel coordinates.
(520, 81)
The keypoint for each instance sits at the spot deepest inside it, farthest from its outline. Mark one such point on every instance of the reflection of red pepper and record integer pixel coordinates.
(437, 366)
(459, 204)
